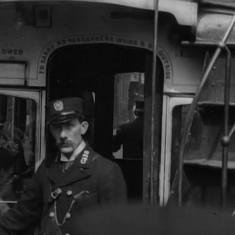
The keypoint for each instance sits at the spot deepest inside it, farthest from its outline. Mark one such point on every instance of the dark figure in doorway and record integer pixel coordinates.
(130, 135)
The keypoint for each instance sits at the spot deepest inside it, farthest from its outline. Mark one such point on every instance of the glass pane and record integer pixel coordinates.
(17, 146)
(203, 155)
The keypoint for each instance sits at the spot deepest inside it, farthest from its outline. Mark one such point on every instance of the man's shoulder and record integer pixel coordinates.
(101, 160)
(43, 168)
(126, 126)
(105, 167)
(96, 157)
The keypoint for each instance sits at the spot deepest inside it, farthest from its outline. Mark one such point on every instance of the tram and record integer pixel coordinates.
(176, 55)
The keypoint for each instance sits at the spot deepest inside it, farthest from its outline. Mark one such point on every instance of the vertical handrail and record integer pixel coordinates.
(190, 114)
(226, 139)
(13, 118)
(153, 104)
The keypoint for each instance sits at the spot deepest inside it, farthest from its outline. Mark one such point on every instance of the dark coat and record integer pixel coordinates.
(130, 136)
(90, 182)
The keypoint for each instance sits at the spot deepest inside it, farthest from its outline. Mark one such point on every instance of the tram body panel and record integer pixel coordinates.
(29, 41)
(34, 39)
(34, 44)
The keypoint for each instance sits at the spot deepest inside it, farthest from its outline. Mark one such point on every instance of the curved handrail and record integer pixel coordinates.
(190, 114)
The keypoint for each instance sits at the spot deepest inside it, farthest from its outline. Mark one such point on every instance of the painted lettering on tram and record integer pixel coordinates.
(87, 39)
(102, 39)
(166, 64)
(46, 53)
(11, 51)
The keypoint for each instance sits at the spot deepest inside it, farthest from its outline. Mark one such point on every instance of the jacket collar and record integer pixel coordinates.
(75, 154)
(79, 170)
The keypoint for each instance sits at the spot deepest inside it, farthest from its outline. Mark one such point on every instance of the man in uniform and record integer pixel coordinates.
(63, 189)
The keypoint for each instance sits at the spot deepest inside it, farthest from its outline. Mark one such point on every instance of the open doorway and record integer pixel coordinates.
(90, 72)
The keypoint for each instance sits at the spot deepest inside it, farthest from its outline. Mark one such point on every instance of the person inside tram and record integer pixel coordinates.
(129, 136)
(68, 182)
(12, 165)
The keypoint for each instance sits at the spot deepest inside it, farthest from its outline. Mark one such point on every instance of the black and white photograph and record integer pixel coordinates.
(117, 117)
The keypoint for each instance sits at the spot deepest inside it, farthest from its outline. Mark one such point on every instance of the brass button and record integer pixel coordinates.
(69, 192)
(51, 214)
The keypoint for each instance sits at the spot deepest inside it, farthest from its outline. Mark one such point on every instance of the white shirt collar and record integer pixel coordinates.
(75, 153)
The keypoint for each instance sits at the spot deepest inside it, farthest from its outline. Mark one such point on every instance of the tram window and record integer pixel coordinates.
(17, 151)
(203, 154)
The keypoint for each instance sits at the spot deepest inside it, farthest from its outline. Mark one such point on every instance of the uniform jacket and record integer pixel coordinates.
(59, 198)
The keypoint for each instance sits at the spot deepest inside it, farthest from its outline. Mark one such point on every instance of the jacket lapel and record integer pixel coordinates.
(79, 170)
(55, 174)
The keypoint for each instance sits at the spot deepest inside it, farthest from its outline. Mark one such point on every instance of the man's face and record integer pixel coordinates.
(68, 135)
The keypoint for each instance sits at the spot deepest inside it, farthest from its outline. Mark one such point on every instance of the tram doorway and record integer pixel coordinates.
(108, 78)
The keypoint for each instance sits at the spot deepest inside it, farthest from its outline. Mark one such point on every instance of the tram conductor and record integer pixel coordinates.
(78, 179)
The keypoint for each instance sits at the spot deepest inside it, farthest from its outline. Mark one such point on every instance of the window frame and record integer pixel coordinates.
(169, 103)
(39, 97)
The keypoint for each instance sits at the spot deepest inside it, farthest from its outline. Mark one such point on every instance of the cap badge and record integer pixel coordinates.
(58, 105)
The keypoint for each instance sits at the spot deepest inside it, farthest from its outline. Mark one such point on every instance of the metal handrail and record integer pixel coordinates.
(8, 202)
(189, 117)
(226, 139)
(153, 109)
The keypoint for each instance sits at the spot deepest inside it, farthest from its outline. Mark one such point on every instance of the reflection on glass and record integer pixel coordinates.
(17, 146)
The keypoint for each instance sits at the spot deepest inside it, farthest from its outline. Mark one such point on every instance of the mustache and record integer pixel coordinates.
(61, 143)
